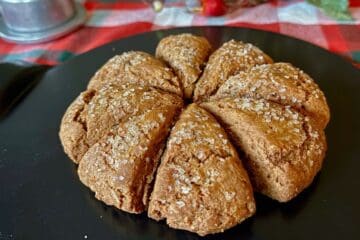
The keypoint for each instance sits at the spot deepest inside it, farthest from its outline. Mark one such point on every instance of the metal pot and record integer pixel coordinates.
(36, 15)
(31, 21)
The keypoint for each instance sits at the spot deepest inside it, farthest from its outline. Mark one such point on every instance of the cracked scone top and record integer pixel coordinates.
(94, 113)
(273, 113)
(201, 185)
(281, 83)
(137, 68)
(231, 58)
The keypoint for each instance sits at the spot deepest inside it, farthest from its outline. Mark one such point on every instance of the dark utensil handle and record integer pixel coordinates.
(16, 79)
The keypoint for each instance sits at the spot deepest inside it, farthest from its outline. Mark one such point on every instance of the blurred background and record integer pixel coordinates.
(78, 26)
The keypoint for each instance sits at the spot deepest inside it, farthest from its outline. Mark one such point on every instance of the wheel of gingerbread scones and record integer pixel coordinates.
(140, 148)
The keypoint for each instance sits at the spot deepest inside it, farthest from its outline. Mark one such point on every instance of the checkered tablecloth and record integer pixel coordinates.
(118, 19)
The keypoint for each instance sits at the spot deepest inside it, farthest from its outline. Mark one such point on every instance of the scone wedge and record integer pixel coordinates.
(284, 149)
(187, 55)
(120, 166)
(201, 185)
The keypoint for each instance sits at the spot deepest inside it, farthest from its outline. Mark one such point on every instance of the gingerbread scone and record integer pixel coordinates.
(120, 167)
(201, 185)
(284, 149)
(137, 68)
(95, 113)
(187, 55)
(231, 58)
(281, 83)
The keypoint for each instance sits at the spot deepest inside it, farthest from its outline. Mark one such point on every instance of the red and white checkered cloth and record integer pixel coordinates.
(111, 21)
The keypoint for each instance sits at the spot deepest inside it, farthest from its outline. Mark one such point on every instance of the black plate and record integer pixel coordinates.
(41, 196)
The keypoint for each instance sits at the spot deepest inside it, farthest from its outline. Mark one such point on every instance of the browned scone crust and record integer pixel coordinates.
(231, 58)
(94, 113)
(73, 126)
(281, 83)
(120, 167)
(187, 55)
(201, 185)
(138, 68)
(284, 149)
